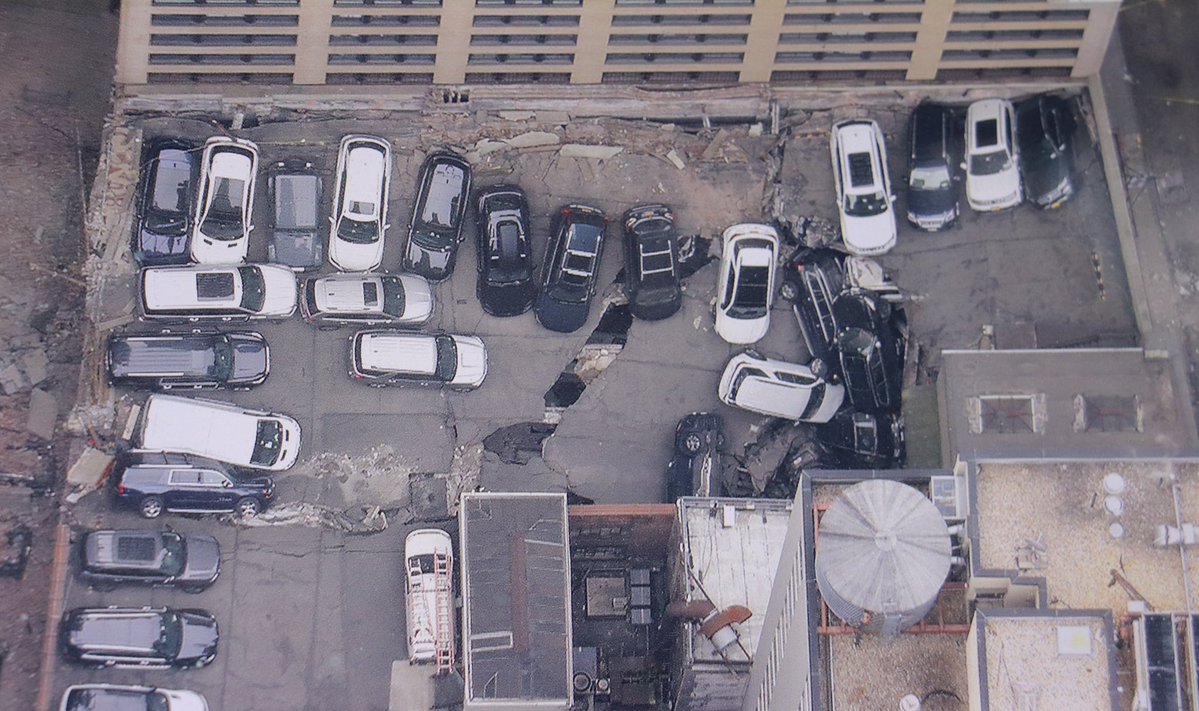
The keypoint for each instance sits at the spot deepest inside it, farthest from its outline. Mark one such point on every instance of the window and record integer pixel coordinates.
(675, 58)
(677, 39)
(528, 3)
(192, 40)
(521, 59)
(185, 477)
(383, 40)
(214, 285)
(386, 20)
(526, 21)
(643, 20)
(1108, 413)
(419, 59)
(1007, 414)
(522, 40)
(224, 20)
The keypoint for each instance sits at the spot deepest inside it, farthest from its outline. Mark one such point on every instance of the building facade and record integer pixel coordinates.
(464, 42)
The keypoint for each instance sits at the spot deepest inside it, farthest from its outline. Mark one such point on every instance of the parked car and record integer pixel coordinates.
(225, 205)
(1044, 125)
(863, 187)
(113, 697)
(217, 293)
(154, 482)
(196, 359)
(165, 192)
(506, 286)
(780, 389)
(367, 300)
(571, 267)
(109, 558)
(651, 249)
(746, 282)
(437, 216)
(429, 591)
(381, 357)
(871, 344)
(695, 469)
(138, 637)
(220, 431)
(992, 158)
(359, 221)
(861, 440)
(296, 194)
(932, 178)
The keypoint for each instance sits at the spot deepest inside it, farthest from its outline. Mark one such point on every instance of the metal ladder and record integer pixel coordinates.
(444, 596)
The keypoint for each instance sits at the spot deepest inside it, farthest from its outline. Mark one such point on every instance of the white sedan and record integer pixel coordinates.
(359, 219)
(746, 282)
(225, 204)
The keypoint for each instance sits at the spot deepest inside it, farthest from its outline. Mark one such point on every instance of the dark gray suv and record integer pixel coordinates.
(138, 637)
(196, 359)
(110, 558)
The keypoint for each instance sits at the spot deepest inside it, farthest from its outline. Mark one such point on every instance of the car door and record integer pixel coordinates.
(216, 492)
(184, 489)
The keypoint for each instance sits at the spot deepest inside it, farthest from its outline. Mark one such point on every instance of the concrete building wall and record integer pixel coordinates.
(454, 42)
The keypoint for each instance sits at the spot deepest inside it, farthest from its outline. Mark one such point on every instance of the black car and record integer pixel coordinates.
(109, 558)
(932, 181)
(166, 190)
(651, 262)
(437, 216)
(296, 196)
(1044, 126)
(571, 267)
(505, 252)
(196, 359)
(138, 637)
(811, 280)
(153, 482)
(870, 345)
(861, 440)
(695, 469)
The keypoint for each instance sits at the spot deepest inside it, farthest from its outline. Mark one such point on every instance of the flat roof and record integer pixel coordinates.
(516, 590)
(732, 564)
(871, 672)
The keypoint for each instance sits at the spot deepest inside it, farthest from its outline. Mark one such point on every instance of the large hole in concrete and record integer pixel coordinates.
(598, 352)
(519, 443)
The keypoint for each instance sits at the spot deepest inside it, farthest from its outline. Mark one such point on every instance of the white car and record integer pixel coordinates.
(745, 290)
(93, 697)
(863, 187)
(224, 293)
(780, 389)
(220, 431)
(359, 219)
(992, 160)
(368, 300)
(429, 563)
(382, 357)
(225, 203)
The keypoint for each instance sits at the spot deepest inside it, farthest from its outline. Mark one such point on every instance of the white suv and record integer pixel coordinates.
(382, 357)
(367, 300)
(225, 204)
(195, 293)
(359, 220)
(779, 389)
(992, 160)
(863, 187)
(746, 286)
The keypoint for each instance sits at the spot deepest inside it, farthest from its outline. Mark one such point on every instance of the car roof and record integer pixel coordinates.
(929, 134)
(125, 548)
(133, 629)
(172, 287)
(979, 129)
(858, 147)
(365, 171)
(349, 293)
(407, 352)
(297, 198)
(447, 177)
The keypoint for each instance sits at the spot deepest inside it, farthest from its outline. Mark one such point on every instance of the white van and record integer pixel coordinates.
(219, 430)
(429, 562)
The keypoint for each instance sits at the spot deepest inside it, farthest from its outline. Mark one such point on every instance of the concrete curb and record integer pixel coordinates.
(58, 581)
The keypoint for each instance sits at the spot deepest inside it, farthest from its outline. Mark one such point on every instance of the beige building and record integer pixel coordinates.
(454, 42)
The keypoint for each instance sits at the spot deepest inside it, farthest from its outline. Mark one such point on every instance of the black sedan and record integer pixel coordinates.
(651, 262)
(505, 252)
(571, 267)
(437, 214)
(170, 171)
(811, 280)
(860, 440)
(871, 344)
(1044, 127)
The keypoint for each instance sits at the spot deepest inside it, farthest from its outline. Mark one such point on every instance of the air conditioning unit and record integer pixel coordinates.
(949, 495)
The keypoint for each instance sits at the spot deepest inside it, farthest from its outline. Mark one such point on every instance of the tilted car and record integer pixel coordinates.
(359, 219)
(381, 357)
(571, 268)
(437, 216)
(138, 637)
(154, 482)
(165, 192)
(861, 440)
(114, 697)
(932, 176)
(1044, 126)
(863, 187)
(745, 286)
(779, 389)
(109, 558)
(992, 156)
(651, 262)
(196, 359)
(812, 278)
(870, 345)
(220, 431)
(225, 204)
(506, 284)
(217, 293)
(367, 300)
(296, 195)
(695, 468)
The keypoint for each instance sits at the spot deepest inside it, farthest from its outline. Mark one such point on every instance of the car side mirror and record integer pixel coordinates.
(227, 484)
(962, 165)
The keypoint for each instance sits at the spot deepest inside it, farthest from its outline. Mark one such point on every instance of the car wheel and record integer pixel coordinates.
(693, 442)
(248, 507)
(151, 507)
(192, 589)
(819, 368)
(789, 291)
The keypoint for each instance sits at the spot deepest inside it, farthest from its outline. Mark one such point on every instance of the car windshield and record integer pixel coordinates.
(393, 296)
(447, 358)
(932, 177)
(174, 557)
(155, 701)
(865, 205)
(740, 378)
(750, 293)
(990, 163)
(253, 289)
(357, 232)
(815, 400)
(223, 220)
(267, 443)
(172, 174)
(170, 635)
(222, 359)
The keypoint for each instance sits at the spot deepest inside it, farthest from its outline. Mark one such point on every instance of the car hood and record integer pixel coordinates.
(433, 265)
(558, 316)
(182, 700)
(299, 249)
(163, 248)
(472, 362)
(251, 359)
(931, 202)
(656, 304)
(740, 331)
(418, 298)
(354, 257)
(200, 636)
(203, 559)
(1043, 176)
(507, 299)
(280, 283)
(869, 235)
(993, 187)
